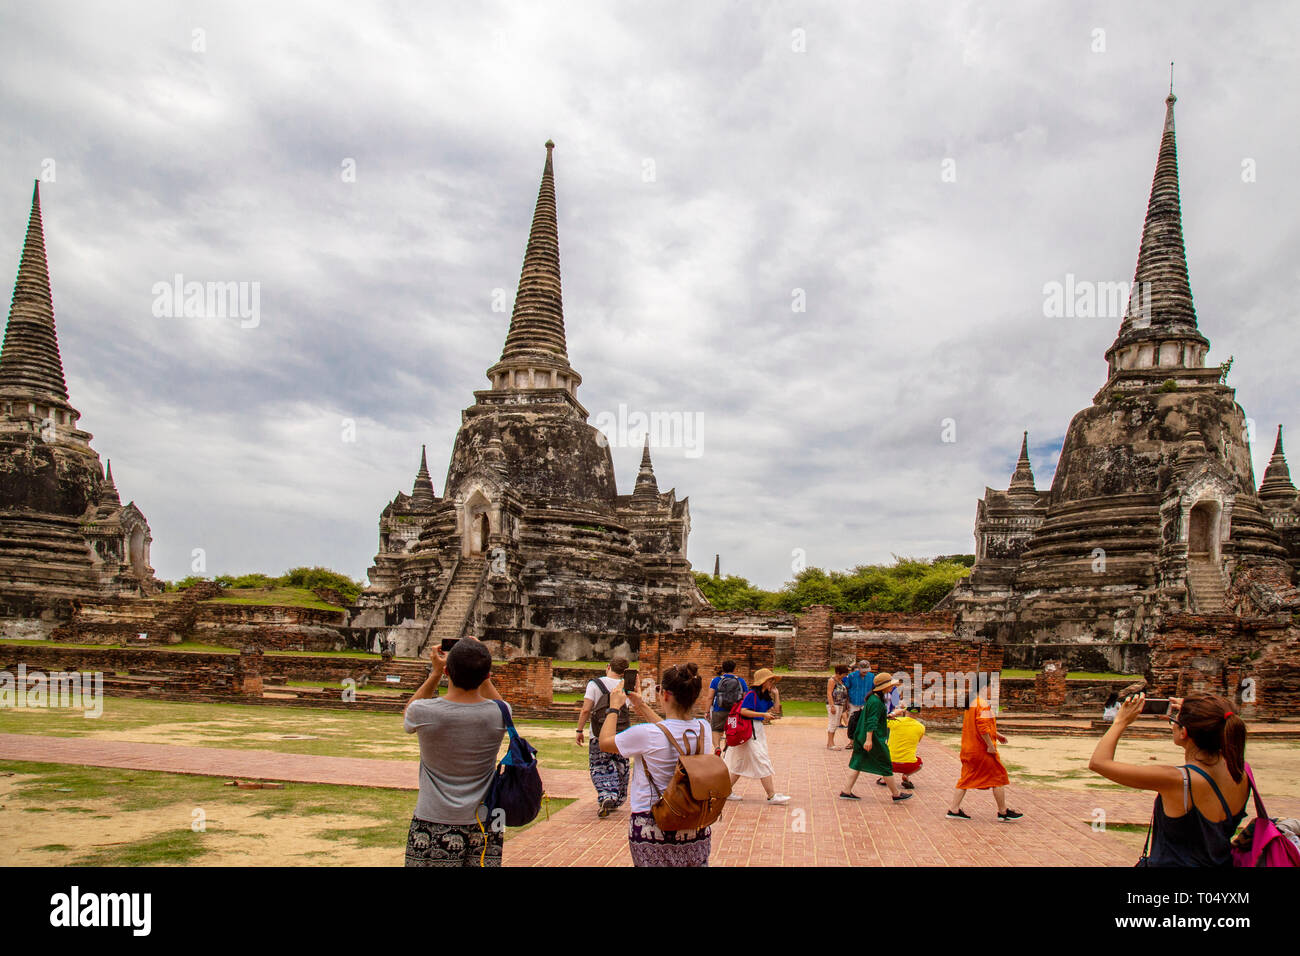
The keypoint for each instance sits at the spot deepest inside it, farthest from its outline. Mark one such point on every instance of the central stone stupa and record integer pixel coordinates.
(531, 545)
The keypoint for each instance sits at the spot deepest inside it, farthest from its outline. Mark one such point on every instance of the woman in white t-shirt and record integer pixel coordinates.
(656, 762)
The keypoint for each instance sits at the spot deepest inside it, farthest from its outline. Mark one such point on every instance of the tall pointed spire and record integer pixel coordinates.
(717, 566)
(422, 494)
(647, 489)
(1276, 490)
(30, 358)
(1022, 480)
(537, 323)
(1160, 307)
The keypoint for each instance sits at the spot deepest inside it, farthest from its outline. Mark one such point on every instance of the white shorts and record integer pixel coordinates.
(833, 714)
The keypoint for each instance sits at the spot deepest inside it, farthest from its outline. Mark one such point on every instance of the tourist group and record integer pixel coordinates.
(676, 772)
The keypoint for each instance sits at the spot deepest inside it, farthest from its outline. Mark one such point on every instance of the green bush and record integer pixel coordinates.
(184, 583)
(310, 578)
(254, 580)
(307, 579)
(908, 585)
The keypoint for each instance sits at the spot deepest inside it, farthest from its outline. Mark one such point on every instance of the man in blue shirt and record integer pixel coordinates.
(859, 682)
(724, 691)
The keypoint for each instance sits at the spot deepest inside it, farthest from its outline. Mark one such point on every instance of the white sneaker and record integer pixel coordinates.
(735, 796)
(778, 798)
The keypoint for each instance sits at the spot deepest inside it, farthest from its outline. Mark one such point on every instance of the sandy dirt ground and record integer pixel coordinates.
(1063, 761)
(234, 835)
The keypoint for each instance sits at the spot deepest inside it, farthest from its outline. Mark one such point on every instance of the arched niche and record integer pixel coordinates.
(1203, 530)
(479, 520)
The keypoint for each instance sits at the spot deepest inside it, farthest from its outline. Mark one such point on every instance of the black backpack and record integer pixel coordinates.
(601, 708)
(853, 722)
(729, 692)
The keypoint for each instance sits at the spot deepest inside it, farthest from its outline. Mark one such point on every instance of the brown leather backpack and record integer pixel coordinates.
(698, 791)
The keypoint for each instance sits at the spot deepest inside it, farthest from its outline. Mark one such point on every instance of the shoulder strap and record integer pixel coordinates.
(505, 715)
(1146, 846)
(1259, 800)
(645, 765)
(671, 739)
(1217, 792)
(1187, 786)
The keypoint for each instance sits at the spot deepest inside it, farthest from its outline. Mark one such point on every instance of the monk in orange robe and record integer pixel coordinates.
(981, 767)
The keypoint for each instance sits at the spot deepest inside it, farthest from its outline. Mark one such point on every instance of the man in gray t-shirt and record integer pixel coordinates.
(460, 737)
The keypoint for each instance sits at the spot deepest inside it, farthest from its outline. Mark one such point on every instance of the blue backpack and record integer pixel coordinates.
(516, 787)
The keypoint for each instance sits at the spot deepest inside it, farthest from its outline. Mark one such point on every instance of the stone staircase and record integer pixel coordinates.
(461, 594)
(1205, 584)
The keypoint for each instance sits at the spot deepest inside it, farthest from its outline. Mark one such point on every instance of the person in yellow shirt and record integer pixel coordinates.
(905, 732)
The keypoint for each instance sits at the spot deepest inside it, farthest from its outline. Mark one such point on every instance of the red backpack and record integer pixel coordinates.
(1261, 843)
(738, 729)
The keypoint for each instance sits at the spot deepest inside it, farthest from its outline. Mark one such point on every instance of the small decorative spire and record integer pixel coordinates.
(109, 500)
(422, 495)
(1276, 490)
(30, 357)
(647, 489)
(1022, 479)
(717, 566)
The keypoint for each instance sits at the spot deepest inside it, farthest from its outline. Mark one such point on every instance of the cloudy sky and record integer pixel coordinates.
(822, 228)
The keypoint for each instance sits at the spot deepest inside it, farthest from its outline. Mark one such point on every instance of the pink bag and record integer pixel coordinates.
(1263, 844)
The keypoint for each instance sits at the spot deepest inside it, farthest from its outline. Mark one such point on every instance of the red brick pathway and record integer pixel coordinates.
(818, 829)
(814, 829)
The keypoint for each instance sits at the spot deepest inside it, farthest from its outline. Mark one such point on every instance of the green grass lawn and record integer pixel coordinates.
(58, 813)
(590, 665)
(275, 597)
(329, 733)
(374, 687)
(803, 708)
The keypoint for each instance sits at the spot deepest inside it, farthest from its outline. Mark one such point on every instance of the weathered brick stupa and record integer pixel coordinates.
(1281, 502)
(531, 545)
(64, 533)
(1153, 507)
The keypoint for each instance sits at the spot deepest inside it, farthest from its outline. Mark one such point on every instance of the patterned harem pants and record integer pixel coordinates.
(609, 773)
(449, 844)
(651, 846)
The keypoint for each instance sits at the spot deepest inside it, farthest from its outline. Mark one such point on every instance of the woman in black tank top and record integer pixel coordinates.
(1213, 741)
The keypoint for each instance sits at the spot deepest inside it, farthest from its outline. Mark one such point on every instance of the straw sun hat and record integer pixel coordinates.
(884, 682)
(762, 676)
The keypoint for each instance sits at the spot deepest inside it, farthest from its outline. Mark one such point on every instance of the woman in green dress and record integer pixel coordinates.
(871, 742)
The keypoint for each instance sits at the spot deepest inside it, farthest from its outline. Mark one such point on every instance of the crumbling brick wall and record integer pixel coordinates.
(1050, 687)
(812, 638)
(1253, 662)
(708, 649)
(820, 640)
(524, 681)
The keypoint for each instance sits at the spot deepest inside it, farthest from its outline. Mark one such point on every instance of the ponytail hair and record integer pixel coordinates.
(1216, 729)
